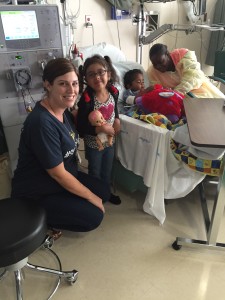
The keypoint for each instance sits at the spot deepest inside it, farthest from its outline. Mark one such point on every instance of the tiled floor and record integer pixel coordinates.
(129, 257)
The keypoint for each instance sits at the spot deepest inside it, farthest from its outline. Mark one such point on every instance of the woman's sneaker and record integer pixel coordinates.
(115, 199)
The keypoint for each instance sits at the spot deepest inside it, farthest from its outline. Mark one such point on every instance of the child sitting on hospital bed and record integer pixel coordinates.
(134, 85)
(154, 99)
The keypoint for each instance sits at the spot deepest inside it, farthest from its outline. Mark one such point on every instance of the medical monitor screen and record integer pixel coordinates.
(19, 25)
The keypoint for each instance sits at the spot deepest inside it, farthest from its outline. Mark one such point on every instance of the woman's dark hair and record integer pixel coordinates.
(98, 59)
(57, 67)
(130, 76)
(158, 49)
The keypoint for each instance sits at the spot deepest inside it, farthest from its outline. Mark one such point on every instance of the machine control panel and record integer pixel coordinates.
(30, 36)
(29, 27)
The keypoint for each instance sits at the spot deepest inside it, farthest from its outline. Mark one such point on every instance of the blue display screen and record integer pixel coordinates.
(19, 25)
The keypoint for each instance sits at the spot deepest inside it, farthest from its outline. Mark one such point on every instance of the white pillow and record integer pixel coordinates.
(103, 49)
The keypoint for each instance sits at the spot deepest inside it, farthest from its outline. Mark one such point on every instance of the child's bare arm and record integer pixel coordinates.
(116, 125)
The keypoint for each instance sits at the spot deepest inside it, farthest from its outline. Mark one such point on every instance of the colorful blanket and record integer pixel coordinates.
(155, 119)
(208, 167)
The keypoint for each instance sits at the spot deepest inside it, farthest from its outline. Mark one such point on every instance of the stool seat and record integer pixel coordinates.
(22, 230)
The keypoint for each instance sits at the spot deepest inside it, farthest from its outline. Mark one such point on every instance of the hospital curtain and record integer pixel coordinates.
(217, 38)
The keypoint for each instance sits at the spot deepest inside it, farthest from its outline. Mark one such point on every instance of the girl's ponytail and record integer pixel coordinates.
(114, 77)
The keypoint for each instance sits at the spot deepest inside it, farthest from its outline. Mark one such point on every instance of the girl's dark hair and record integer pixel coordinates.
(158, 49)
(97, 59)
(57, 67)
(130, 76)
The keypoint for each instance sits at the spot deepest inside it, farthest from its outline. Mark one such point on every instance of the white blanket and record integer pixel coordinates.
(145, 150)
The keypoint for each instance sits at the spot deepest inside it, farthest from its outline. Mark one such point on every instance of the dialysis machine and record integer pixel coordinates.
(30, 36)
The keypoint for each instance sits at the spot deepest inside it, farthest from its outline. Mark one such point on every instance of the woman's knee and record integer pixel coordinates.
(71, 213)
(90, 221)
(84, 223)
(96, 222)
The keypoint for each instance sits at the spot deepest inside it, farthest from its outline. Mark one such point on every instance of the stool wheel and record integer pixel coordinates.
(176, 246)
(72, 279)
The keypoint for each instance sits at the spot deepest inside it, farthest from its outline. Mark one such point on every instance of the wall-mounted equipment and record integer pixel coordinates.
(30, 36)
(121, 4)
(195, 9)
(152, 20)
(22, 77)
(118, 14)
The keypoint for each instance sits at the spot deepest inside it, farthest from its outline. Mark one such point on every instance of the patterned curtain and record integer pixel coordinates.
(217, 38)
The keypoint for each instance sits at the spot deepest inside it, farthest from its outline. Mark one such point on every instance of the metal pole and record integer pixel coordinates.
(140, 32)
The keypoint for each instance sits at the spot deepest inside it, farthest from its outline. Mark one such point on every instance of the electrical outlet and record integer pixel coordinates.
(88, 21)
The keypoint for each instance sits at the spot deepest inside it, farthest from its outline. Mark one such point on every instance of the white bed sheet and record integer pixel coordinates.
(145, 150)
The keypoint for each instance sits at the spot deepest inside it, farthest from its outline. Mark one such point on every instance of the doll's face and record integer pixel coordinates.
(96, 119)
(99, 121)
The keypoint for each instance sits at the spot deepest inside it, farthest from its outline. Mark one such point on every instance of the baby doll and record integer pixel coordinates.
(96, 119)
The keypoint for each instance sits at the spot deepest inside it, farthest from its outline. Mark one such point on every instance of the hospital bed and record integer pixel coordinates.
(145, 149)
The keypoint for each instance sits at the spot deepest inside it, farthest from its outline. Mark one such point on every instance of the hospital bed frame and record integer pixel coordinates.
(203, 135)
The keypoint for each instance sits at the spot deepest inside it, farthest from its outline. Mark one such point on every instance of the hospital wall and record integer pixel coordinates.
(123, 33)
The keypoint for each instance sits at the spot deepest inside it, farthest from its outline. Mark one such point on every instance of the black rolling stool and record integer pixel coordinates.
(23, 230)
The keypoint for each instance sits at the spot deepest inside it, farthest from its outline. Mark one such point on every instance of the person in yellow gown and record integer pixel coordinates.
(180, 71)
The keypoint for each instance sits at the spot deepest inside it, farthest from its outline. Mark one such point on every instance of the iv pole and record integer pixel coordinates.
(141, 27)
(144, 40)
